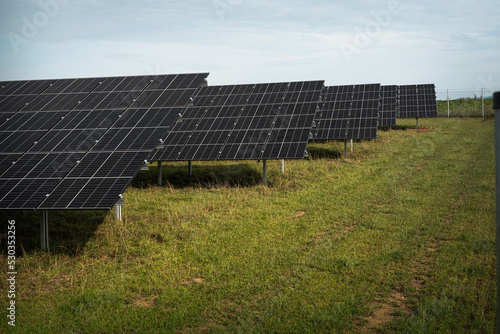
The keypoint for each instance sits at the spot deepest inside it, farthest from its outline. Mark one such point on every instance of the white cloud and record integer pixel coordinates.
(447, 42)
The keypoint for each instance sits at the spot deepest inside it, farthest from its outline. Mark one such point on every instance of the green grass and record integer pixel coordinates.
(397, 238)
(466, 107)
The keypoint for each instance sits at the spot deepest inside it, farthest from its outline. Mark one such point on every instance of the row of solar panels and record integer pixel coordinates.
(236, 122)
(78, 143)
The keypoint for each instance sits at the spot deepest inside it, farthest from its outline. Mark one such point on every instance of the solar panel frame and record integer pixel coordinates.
(76, 132)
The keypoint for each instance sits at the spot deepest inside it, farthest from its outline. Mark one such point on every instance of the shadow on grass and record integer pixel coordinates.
(397, 128)
(69, 230)
(209, 176)
(323, 152)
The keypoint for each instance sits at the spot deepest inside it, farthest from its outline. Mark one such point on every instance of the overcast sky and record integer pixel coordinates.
(454, 44)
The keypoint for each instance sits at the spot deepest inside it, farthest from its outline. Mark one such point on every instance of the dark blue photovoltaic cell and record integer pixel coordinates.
(18, 141)
(108, 100)
(348, 112)
(68, 140)
(417, 101)
(98, 177)
(169, 91)
(24, 193)
(85, 119)
(15, 102)
(3, 86)
(245, 122)
(9, 88)
(23, 121)
(5, 116)
(427, 103)
(408, 101)
(105, 164)
(332, 121)
(82, 85)
(32, 87)
(388, 105)
(6, 161)
(138, 129)
(53, 102)
(42, 165)
(76, 143)
(86, 193)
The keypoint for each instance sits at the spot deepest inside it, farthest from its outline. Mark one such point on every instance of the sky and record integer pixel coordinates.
(453, 44)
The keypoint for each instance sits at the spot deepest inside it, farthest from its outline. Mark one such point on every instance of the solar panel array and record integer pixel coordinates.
(388, 105)
(78, 143)
(417, 101)
(245, 122)
(348, 112)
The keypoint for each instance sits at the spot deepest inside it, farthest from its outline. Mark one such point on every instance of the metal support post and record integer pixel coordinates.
(118, 208)
(352, 145)
(264, 176)
(118, 212)
(482, 101)
(190, 166)
(496, 107)
(417, 123)
(160, 174)
(44, 228)
(448, 99)
(282, 166)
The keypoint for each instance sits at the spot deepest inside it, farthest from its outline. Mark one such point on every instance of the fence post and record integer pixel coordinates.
(448, 99)
(496, 107)
(482, 100)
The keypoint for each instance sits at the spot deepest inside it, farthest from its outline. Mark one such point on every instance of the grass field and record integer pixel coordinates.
(466, 107)
(399, 237)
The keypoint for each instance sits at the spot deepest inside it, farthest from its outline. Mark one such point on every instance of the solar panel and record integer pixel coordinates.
(25, 121)
(388, 105)
(6, 161)
(407, 99)
(16, 95)
(427, 101)
(417, 101)
(30, 174)
(25, 193)
(245, 122)
(77, 143)
(348, 112)
(18, 141)
(96, 181)
(42, 165)
(4, 116)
